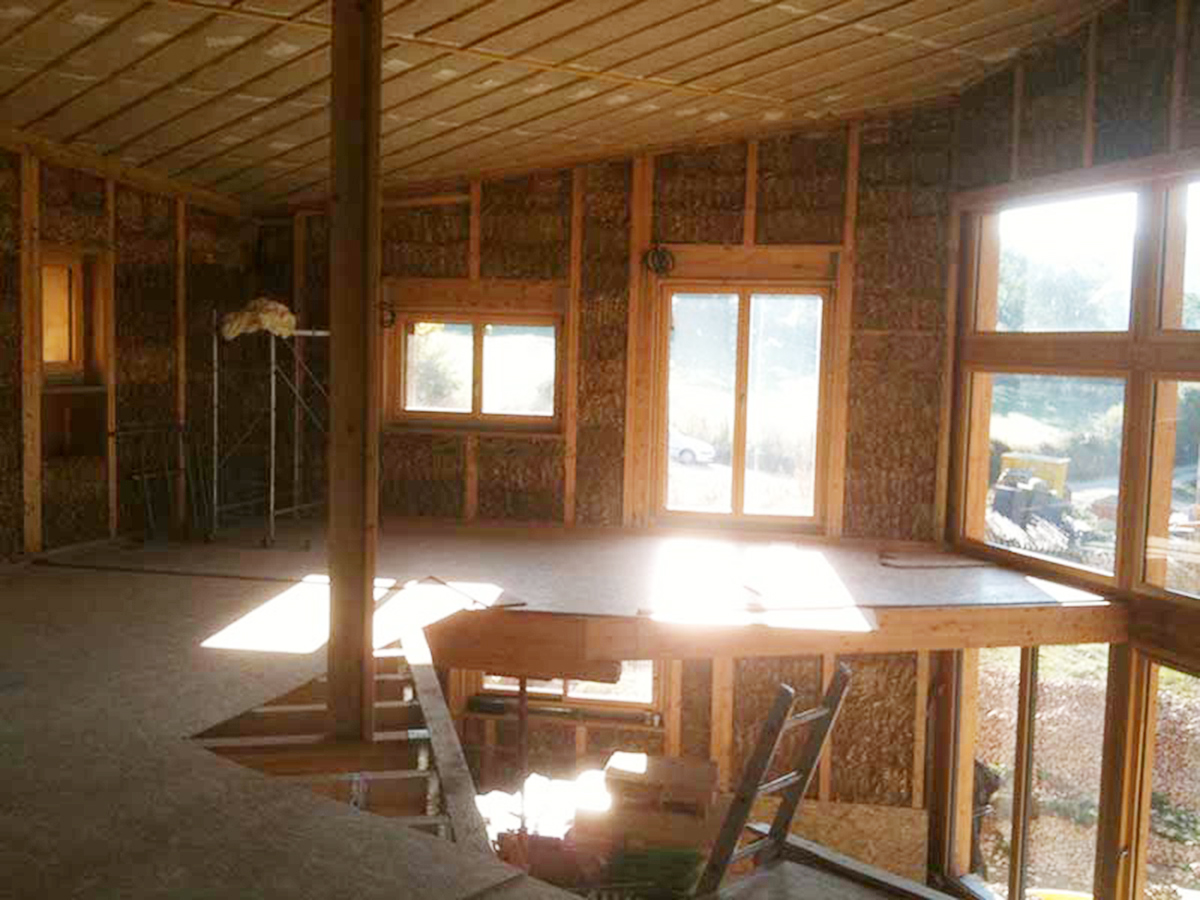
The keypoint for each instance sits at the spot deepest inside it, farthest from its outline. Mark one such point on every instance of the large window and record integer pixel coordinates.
(743, 402)
(63, 315)
(1077, 382)
(477, 368)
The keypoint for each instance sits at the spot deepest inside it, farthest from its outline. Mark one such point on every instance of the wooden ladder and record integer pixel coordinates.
(792, 785)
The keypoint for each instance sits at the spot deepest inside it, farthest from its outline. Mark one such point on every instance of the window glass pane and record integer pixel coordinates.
(636, 685)
(1065, 266)
(440, 361)
(1068, 744)
(56, 314)
(1173, 541)
(995, 760)
(1173, 847)
(1186, 314)
(552, 687)
(1053, 479)
(703, 374)
(518, 370)
(781, 410)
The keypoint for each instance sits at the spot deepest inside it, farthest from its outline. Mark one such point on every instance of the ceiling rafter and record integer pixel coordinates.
(36, 19)
(388, 48)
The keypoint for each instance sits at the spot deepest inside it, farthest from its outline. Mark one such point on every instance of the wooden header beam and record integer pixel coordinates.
(355, 401)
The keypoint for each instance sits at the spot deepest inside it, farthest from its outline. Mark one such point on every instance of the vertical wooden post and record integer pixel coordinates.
(471, 488)
(180, 505)
(750, 221)
(475, 247)
(672, 669)
(941, 502)
(31, 352)
(920, 723)
(1014, 162)
(571, 382)
(108, 293)
(1023, 771)
(1178, 77)
(354, 344)
(299, 292)
(825, 764)
(965, 732)
(722, 720)
(839, 393)
(1089, 95)
(640, 366)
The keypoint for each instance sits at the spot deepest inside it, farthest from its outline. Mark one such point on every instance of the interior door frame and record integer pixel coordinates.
(744, 288)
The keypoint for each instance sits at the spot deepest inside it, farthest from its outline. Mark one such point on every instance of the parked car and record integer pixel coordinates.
(689, 450)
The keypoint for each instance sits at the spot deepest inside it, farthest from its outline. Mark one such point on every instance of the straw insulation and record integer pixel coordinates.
(145, 311)
(1052, 108)
(1133, 81)
(755, 686)
(874, 738)
(802, 188)
(700, 195)
(985, 132)
(427, 241)
(521, 479)
(72, 208)
(898, 322)
(75, 505)
(525, 227)
(603, 332)
(422, 474)
(11, 448)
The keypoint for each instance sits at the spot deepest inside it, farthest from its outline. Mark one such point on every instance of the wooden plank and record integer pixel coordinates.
(454, 777)
(179, 505)
(1089, 95)
(839, 364)
(920, 729)
(673, 712)
(825, 764)
(299, 307)
(733, 264)
(581, 743)
(31, 353)
(750, 221)
(1022, 800)
(108, 291)
(1178, 76)
(1014, 160)
(464, 295)
(966, 731)
(474, 252)
(355, 403)
(571, 338)
(942, 487)
(17, 141)
(640, 355)
(471, 487)
(741, 389)
(721, 742)
(428, 200)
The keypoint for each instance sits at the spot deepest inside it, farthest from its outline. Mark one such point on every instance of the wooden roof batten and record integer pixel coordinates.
(536, 86)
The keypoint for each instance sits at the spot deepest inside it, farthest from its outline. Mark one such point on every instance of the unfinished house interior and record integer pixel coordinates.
(835, 532)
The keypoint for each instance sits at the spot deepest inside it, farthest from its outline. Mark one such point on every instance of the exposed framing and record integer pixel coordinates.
(31, 352)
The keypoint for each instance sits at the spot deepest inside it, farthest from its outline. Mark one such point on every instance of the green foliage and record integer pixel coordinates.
(1174, 823)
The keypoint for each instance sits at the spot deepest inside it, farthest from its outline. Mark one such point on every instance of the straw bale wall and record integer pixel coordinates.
(75, 507)
(11, 504)
(985, 132)
(696, 712)
(525, 227)
(72, 208)
(603, 325)
(1133, 79)
(427, 242)
(872, 746)
(145, 333)
(1052, 117)
(802, 188)
(700, 195)
(520, 479)
(755, 686)
(273, 262)
(422, 475)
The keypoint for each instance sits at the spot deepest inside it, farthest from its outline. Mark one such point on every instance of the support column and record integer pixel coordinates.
(354, 366)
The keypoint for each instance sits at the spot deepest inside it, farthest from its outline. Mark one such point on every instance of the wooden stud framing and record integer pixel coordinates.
(31, 352)
(722, 720)
(1023, 771)
(300, 308)
(673, 713)
(355, 401)
(941, 502)
(839, 411)
(570, 403)
(179, 507)
(108, 291)
(750, 222)
(1178, 77)
(967, 728)
(474, 249)
(1014, 162)
(920, 725)
(1089, 94)
(641, 363)
(741, 388)
(471, 476)
(825, 765)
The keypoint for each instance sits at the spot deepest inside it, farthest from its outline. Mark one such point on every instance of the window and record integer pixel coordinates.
(636, 686)
(1074, 352)
(477, 368)
(743, 402)
(62, 315)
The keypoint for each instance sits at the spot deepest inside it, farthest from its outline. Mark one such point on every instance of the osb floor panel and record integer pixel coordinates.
(102, 677)
(603, 572)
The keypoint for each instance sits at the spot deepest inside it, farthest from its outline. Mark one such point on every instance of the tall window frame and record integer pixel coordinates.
(667, 288)
(1144, 356)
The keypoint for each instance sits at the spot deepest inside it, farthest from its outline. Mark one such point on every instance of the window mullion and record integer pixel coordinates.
(738, 460)
(477, 369)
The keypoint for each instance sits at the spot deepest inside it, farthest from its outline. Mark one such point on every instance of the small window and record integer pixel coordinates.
(635, 686)
(1058, 267)
(479, 368)
(1173, 538)
(62, 317)
(1045, 466)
